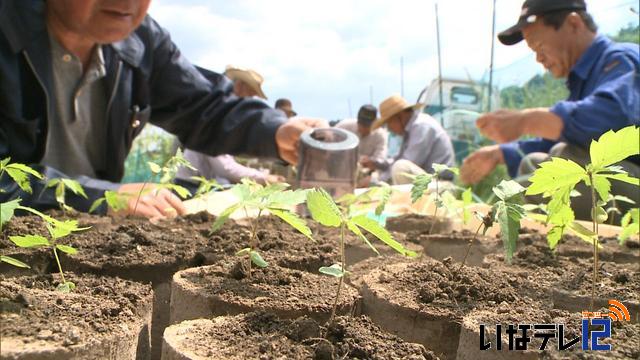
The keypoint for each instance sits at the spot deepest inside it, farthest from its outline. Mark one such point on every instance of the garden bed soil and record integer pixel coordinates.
(565, 280)
(265, 336)
(103, 318)
(225, 289)
(424, 302)
(573, 246)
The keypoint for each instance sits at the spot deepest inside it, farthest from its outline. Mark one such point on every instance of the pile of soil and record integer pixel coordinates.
(265, 336)
(34, 312)
(441, 284)
(289, 292)
(415, 225)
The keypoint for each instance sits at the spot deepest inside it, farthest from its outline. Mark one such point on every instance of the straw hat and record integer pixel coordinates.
(390, 107)
(248, 76)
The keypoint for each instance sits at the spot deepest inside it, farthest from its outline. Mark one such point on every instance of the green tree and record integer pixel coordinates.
(628, 34)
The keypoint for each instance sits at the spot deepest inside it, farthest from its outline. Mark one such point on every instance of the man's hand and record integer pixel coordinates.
(367, 163)
(502, 126)
(150, 201)
(480, 164)
(288, 136)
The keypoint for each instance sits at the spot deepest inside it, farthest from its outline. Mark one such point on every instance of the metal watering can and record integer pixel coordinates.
(328, 159)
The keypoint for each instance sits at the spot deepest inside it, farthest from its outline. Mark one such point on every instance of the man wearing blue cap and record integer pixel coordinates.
(604, 84)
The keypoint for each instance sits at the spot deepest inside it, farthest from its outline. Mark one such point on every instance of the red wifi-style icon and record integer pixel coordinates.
(618, 312)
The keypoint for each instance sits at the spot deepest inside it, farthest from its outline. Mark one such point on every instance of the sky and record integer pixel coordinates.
(330, 57)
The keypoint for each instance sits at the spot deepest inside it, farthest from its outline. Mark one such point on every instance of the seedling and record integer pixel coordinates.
(325, 211)
(272, 198)
(58, 230)
(421, 184)
(613, 210)
(630, 225)
(19, 173)
(115, 201)
(558, 177)
(167, 174)
(61, 186)
(378, 194)
(508, 212)
(206, 185)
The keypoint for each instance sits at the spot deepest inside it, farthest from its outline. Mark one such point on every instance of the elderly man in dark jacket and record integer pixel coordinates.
(81, 78)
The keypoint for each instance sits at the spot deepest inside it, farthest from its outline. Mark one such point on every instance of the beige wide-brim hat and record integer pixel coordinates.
(248, 76)
(390, 107)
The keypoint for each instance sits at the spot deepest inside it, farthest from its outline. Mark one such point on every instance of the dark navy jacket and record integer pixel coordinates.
(148, 80)
(604, 94)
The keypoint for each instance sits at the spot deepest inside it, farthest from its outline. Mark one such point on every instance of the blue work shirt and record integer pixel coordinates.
(604, 94)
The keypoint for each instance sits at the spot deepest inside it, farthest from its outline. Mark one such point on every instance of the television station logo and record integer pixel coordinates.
(595, 326)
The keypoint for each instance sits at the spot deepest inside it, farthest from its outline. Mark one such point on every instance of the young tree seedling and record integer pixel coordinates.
(167, 174)
(630, 225)
(273, 198)
(325, 211)
(61, 186)
(613, 210)
(205, 186)
(421, 185)
(507, 212)
(58, 230)
(20, 175)
(558, 177)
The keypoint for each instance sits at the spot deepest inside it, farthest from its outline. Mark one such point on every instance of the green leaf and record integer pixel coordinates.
(624, 178)
(180, 190)
(116, 201)
(613, 147)
(602, 186)
(4, 163)
(372, 227)
(294, 220)
(287, 198)
(15, 262)
(222, 218)
(75, 186)
(21, 179)
(508, 189)
(554, 236)
(555, 174)
(467, 200)
(440, 168)
(334, 270)
(67, 249)
(243, 252)
(29, 241)
(155, 168)
(620, 198)
(583, 233)
(7, 210)
(420, 185)
(509, 228)
(60, 193)
(601, 215)
(257, 259)
(322, 208)
(385, 196)
(52, 183)
(630, 225)
(59, 229)
(66, 287)
(356, 230)
(241, 191)
(96, 204)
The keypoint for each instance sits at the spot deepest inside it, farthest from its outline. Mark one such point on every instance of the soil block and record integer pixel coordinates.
(265, 336)
(424, 302)
(455, 245)
(225, 289)
(103, 318)
(415, 224)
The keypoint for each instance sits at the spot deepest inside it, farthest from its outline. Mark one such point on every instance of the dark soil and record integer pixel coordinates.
(273, 287)
(440, 287)
(33, 310)
(264, 336)
(415, 225)
(120, 246)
